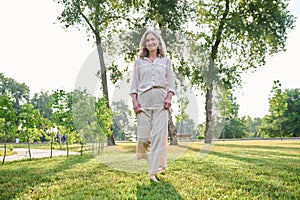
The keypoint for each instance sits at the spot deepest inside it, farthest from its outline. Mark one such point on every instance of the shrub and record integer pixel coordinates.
(200, 137)
(10, 147)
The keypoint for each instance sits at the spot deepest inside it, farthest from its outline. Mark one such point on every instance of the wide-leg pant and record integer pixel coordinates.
(152, 130)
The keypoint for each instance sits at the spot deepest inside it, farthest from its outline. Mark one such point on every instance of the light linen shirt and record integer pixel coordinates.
(148, 75)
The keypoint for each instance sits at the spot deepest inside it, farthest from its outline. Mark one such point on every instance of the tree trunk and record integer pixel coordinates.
(28, 143)
(81, 149)
(3, 161)
(212, 76)
(51, 145)
(67, 143)
(209, 115)
(110, 139)
(172, 131)
(280, 129)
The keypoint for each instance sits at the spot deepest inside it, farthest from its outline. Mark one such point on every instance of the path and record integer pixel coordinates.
(22, 153)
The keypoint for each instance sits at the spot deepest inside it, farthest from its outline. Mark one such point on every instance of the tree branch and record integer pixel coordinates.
(85, 18)
(219, 32)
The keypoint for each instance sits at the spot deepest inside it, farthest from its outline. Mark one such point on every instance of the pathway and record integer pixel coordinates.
(22, 153)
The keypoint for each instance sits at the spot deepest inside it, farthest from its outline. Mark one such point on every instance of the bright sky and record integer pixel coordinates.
(39, 52)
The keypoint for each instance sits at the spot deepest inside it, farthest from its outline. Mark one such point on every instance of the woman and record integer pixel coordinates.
(153, 87)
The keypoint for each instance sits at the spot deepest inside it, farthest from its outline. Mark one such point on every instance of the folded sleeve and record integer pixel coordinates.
(135, 80)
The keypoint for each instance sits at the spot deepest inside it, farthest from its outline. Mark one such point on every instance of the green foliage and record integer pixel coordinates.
(284, 116)
(238, 35)
(200, 137)
(186, 126)
(84, 116)
(10, 147)
(29, 120)
(94, 15)
(61, 108)
(42, 101)
(104, 116)
(234, 36)
(7, 118)
(252, 125)
(277, 100)
(19, 92)
(167, 15)
(235, 128)
(182, 105)
(228, 105)
(291, 124)
(268, 128)
(8, 152)
(278, 104)
(123, 128)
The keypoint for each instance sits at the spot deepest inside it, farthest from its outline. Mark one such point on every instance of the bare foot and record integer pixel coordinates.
(161, 171)
(153, 178)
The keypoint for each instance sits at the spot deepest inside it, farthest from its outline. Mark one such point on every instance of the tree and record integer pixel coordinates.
(278, 104)
(229, 111)
(29, 119)
(291, 116)
(16, 90)
(41, 101)
(284, 119)
(50, 132)
(187, 126)
(84, 115)
(104, 116)
(7, 120)
(122, 128)
(252, 125)
(236, 36)
(104, 121)
(99, 18)
(62, 116)
(235, 128)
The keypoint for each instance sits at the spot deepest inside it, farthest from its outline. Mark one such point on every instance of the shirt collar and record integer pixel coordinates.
(146, 58)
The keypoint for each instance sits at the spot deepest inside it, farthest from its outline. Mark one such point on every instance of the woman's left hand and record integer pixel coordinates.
(168, 100)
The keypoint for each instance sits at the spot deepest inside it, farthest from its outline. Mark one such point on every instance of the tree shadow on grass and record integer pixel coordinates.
(267, 147)
(161, 190)
(259, 177)
(17, 179)
(265, 160)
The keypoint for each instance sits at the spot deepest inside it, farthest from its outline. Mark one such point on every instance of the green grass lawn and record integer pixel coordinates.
(231, 170)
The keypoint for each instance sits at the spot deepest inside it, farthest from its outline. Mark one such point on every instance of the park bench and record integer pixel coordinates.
(184, 136)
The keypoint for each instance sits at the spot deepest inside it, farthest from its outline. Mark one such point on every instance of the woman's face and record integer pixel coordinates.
(151, 42)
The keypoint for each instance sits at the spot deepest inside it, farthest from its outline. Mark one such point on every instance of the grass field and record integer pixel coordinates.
(231, 170)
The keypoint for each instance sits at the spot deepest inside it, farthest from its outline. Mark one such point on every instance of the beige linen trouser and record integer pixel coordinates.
(152, 129)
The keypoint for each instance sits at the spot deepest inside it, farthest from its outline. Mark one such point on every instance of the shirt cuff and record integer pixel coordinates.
(133, 91)
(171, 90)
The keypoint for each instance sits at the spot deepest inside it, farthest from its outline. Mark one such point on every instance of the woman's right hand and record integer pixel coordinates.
(136, 106)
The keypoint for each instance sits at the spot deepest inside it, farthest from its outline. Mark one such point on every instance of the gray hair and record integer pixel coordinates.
(161, 49)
